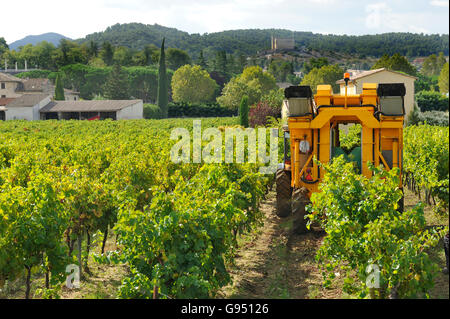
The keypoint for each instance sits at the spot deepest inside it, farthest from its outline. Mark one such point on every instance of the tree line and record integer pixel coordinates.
(250, 41)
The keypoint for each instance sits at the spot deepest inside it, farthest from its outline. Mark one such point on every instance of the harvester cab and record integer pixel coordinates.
(312, 131)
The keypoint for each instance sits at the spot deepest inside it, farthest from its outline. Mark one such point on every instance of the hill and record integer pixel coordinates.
(50, 37)
(250, 41)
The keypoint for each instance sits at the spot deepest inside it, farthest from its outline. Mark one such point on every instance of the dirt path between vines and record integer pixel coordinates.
(272, 263)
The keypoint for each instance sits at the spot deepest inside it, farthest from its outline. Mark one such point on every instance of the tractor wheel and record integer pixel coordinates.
(401, 205)
(284, 191)
(299, 201)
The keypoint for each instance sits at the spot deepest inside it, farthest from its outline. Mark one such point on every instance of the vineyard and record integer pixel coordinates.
(426, 163)
(177, 226)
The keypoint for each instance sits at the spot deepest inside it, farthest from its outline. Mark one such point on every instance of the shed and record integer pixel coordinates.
(26, 106)
(96, 109)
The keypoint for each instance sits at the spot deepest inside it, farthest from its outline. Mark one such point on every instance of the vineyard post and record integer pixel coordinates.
(80, 263)
(28, 282)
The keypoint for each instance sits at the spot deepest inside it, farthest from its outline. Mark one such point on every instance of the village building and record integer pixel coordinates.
(10, 86)
(45, 86)
(282, 44)
(32, 99)
(380, 76)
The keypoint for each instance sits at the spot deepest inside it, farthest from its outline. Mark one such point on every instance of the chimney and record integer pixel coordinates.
(16, 65)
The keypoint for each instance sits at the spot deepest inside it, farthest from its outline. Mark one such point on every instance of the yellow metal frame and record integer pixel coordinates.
(378, 134)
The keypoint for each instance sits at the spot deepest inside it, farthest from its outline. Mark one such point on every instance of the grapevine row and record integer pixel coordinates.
(61, 182)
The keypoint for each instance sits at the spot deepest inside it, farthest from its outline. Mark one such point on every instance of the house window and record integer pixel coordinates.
(3, 85)
(3, 96)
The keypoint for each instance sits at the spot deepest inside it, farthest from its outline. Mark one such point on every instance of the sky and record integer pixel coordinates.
(76, 19)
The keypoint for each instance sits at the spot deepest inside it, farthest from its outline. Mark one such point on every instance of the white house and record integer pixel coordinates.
(381, 76)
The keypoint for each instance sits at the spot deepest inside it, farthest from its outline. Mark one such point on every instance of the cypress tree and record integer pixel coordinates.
(243, 111)
(59, 89)
(162, 97)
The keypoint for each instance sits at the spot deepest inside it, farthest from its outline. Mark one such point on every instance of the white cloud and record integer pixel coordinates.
(439, 3)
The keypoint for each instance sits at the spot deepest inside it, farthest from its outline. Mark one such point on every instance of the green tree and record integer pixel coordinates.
(163, 87)
(242, 63)
(123, 56)
(314, 63)
(243, 111)
(396, 62)
(93, 49)
(64, 47)
(107, 53)
(440, 61)
(274, 98)
(433, 64)
(192, 84)
(256, 74)
(328, 74)
(150, 54)
(176, 58)
(431, 101)
(59, 89)
(443, 79)
(281, 69)
(143, 83)
(253, 82)
(425, 83)
(43, 52)
(3, 45)
(202, 61)
(234, 90)
(116, 86)
(221, 64)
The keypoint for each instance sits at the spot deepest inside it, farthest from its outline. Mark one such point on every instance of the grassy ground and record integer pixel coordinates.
(270, 263)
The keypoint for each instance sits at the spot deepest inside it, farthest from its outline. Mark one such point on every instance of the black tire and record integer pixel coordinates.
(401, 204)
(284, 191)
(299, 202)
